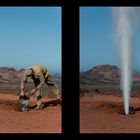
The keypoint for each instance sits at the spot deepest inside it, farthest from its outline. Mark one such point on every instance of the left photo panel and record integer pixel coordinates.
(30, 70)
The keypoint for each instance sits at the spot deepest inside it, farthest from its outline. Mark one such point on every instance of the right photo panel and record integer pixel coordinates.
(109, 70)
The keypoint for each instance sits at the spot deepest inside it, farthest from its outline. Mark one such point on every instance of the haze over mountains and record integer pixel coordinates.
(97, 74)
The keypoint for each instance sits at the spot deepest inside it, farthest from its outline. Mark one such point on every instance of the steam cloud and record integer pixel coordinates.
(123, 24)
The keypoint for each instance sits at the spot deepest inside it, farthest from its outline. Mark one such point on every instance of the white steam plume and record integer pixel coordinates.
(123, 25)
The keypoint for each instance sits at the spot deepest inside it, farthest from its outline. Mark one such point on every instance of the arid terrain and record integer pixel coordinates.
(46, 120)
(103, 114)
(101, 102)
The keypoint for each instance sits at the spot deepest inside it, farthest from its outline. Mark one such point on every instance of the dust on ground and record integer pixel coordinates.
(47, 120)
(103, 114)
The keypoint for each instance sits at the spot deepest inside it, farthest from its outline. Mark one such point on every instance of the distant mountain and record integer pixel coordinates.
(56, 77)
(104, 73)
(11, 75)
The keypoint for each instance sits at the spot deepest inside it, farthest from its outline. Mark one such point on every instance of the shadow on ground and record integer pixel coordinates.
(48, 104)
(119, 108)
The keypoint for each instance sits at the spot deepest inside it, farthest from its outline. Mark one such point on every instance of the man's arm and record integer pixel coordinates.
(23, 83)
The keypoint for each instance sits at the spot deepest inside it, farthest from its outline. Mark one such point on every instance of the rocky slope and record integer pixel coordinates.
(11, 75)
(105, 74)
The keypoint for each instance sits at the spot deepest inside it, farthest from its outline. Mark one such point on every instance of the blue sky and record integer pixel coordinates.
(97, 45)
(30, 35)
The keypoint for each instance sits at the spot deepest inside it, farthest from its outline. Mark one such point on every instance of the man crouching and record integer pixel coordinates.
(39, 75)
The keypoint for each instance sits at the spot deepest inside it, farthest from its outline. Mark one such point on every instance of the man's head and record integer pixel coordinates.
(28, 72)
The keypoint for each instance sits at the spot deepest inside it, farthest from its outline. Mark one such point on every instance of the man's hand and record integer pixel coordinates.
(21, 93)
(32, 91)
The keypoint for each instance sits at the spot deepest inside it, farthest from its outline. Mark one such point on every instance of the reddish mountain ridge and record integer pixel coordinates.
(11, 75)
(104, 73)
